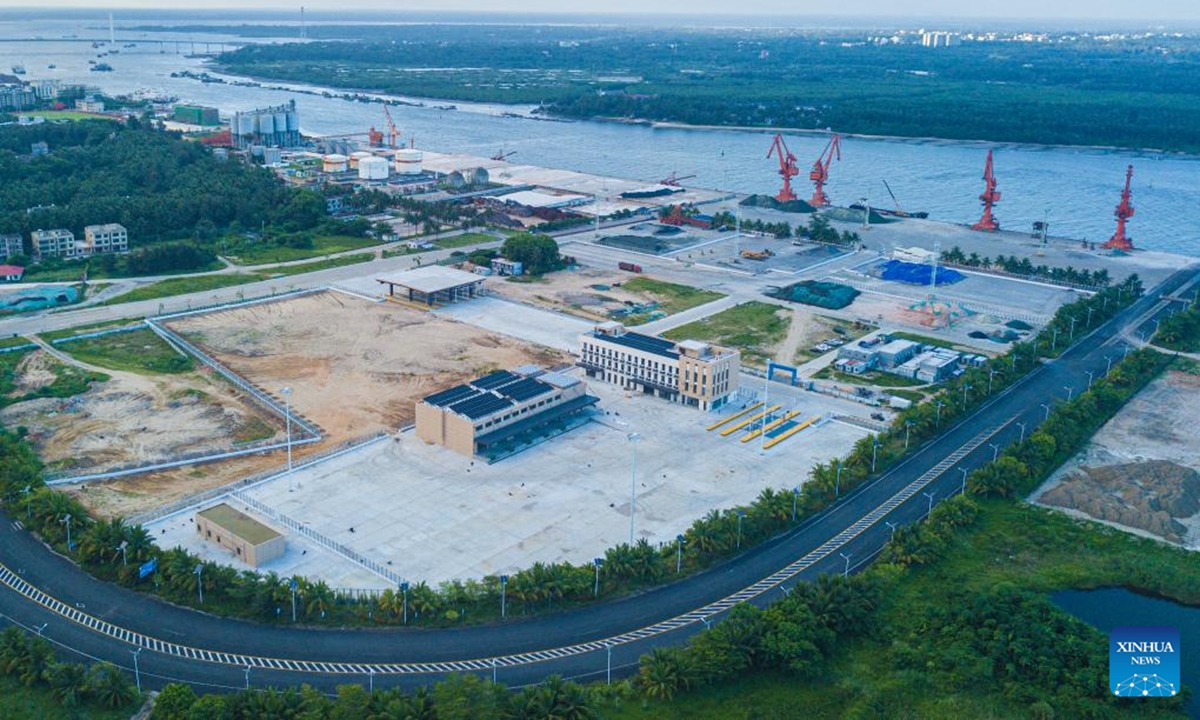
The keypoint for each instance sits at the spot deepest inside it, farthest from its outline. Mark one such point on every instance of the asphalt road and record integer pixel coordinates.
(58, 577)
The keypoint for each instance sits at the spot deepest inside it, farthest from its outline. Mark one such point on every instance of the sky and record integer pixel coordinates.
(1141, 10)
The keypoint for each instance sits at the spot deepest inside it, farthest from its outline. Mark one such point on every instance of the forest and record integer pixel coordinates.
(1142, 93)
(159, 186)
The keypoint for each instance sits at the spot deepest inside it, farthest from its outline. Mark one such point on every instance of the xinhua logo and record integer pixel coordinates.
(1143, 661)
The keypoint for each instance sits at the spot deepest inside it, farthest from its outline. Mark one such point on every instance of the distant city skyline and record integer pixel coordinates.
(1147, 11)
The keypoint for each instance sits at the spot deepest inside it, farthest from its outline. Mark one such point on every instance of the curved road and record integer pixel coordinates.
(41, 590)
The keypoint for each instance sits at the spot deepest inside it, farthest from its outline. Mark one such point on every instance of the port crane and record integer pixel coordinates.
(674, 179)
(1123, 212)
(787, 167)
(393, 132)
(501, 155)
(989, 198)
(820, 171)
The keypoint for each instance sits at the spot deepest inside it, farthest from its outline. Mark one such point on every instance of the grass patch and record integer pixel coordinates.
(252, 430)
(326, 264)
(73, 272)
(912, 395)
(671, 297)
(18, 701)
(13, 341)
(262, 253)
(52, 335)
(754, 328)
(925, 340)
(471, 238)
(763, 695)
(181, 286)
(139, 351)
(68, 381)
(67, 115)
(878, 379)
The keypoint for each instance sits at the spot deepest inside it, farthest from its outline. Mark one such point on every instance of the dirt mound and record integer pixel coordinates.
(1150, 496)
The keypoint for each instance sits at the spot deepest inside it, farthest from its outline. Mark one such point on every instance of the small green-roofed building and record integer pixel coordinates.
(246, 538)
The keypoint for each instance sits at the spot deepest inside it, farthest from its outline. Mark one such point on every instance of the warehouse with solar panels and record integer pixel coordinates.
(503, 412)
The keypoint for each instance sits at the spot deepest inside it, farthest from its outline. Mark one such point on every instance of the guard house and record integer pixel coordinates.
(433, 285)
(245, 538)
(503, 411)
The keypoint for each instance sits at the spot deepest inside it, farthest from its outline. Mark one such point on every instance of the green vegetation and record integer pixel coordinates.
(1071, 90)
(52, 335)
(286, 270)
(68, 381)
(671, 297)
(876, 378)
(34, 685)
(1023, 267)
(538, 253)
(252, 430)
(13, 341)
(139, 351)
(1180, 331)
(924, 340)
(471, 238)
(181, 286)
(266, 252)
(165, 259)
(52, 115)
(754, 328)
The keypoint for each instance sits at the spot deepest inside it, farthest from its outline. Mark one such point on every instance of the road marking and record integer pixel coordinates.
(789, 572)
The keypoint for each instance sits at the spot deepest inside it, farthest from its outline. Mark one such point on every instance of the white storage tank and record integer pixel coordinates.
(335, 163)
(357, 156)
(372, 168)
(408, 161)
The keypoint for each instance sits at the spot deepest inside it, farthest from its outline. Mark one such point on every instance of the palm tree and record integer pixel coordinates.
(108, 684)
(68, 683)
(318, 599)
(141, 544)
(38, 658)
(662, 673)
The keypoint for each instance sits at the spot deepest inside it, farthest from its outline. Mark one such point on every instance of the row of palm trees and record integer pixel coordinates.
(1024, 267)
(30, 659)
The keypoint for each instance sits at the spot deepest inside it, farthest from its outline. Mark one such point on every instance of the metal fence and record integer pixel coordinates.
(14, 348)
(99, 333)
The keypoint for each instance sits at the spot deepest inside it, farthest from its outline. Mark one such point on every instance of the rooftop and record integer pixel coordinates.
(431, 279)
(6, 270)
(239, 523)
(638, 341)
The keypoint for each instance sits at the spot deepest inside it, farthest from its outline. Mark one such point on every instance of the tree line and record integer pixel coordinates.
(1024, 267)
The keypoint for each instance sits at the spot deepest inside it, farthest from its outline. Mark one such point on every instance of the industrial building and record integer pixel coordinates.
(11, 245)
(58, 242)
(432, 285)
(933, 365)
(196, 115)
(505, 267)
(106, 238)
(896, 352)
(503, 411)
(278, 126)
(245, 538)
(688, 372)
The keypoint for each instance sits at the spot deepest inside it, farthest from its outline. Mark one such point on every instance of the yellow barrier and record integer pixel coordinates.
(770, 426)
(776, 440)
(734, 428)
(735, 416)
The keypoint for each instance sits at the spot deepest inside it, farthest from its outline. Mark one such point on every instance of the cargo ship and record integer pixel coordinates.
(18, 69)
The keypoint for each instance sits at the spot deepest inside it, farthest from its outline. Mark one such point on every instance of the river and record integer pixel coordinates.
(1117, 607)
(1076, 189)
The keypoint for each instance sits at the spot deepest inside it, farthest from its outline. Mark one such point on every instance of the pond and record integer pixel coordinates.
(1114, 607)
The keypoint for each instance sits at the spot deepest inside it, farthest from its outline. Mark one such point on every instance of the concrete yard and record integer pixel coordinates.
(436, 515)
(535, 325)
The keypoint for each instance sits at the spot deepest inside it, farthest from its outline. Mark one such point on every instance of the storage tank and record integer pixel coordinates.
(281, 122)
(357, 156)
(408, 161)
(479, 176)
(456, 180)
(245, 124)
(372, 168)
(293, 121)
(334, 163)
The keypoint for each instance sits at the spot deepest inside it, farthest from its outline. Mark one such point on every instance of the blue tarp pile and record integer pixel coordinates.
(918, 273)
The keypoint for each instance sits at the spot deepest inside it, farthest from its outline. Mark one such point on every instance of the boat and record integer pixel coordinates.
(102, 67)
(18, 69)
(52, 66)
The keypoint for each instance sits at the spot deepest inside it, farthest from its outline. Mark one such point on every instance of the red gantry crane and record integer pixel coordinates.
(787, 167)
(820, 171)
(1123, 212)
(989, 198)
(393, 132)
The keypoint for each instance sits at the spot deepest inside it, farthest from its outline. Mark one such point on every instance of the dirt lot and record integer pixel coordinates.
(356, 367)
(587, 292)
(1140, 470)
(131, 419)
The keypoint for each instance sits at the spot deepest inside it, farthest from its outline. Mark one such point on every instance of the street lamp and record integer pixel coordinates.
(633, 441)
(892, 525)
(837, 488)
(995, 451)
(795, 501)
(198, 571)
(966, 387)
(137, 673)
(1046, 407)
(1054, 344)
(1090, 311)
(874, 453)
(371, 679)
(679, 550)
(293, 584)
(991, 374)
(1073, 328)
(930, 496)
(404, 591)
(28, 502)
(964, 471)
(608, 672)
(846, 557)
(247, 677)
(1091, 377)
(1070, 392)
(287, 413)
(66, 520)
(1022, 426)
(907, 428)
(939, 405)
(123, 547)
(597, 562)
(503, 596)
(740, 514)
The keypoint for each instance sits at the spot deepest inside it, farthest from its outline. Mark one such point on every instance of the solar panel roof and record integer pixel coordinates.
(646, 343)
(481, 405)
(525, 389)
(452, 395)
(494, 380)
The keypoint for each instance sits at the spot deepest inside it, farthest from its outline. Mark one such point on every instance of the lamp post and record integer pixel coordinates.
(1022, 426)
(939, 405)
(247, 677)
(371, 678)
(287, 413)
(678, 554)
(837, 488)
(891, 525)
(1108, 368)
(874, 453)
(503, 597)
(293, 585)
(1073, 329)
(846, 557)
(740, 514)
(597, 562)
(1054, 344)
(137, 672)
(991, 374)
(795, 501)
(199, 573)
(633, 441)
(124, 547)
(28, 502)
(930, 496)
(1046, 407)
(966, 387)
(1013, 357)
(1091, 377)
(995, 451)
(608, 671)
(965, 472)
(1070, 392)
(66, 520)
(1089, 320)
(404, 592)
(907, 428)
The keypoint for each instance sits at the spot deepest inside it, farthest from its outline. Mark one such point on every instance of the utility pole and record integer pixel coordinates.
(679, 548)
(287, 398)
(964, 472)
(199, 572)
(907, 429)
(1022, 426)
(633, 441)
(137, 673)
